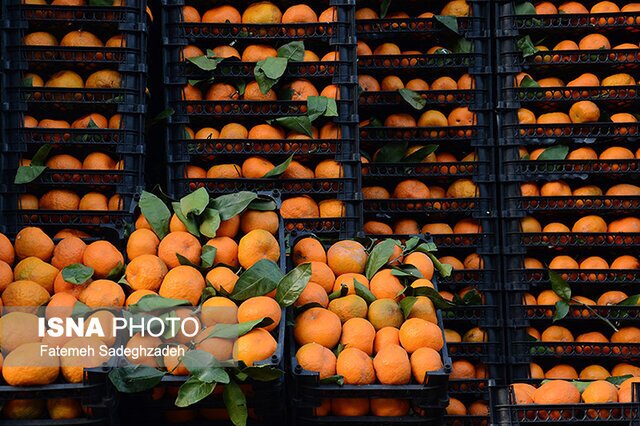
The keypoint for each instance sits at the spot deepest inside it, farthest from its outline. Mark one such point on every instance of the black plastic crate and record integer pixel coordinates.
(506, 412)
(94, 394)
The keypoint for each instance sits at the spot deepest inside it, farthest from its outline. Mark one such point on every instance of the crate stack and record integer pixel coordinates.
(569, 161)
(426, 140)
(318, 399)
(74, 81)
(226, 134)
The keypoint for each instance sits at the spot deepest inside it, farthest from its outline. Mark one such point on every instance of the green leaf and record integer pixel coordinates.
(559, 286)
(135, 378)
(332, 108)
(528, 82)
(77, 273)
(525, 8)
(379, 257)
(205, 63)
(116, 273)
(438, 301)
(412, 98)
(561, 310)
(344, 290)
(233, 331)
(92, 124)
(618, 380)
(316, 106)
(205, 367)
(232, 204)
(300, 124)
(333, 380)
(208, 256)
(526, 46)
(263, 205)
(384, 8)
(554, 153)
(406, 305)
(279, 169)
(27, 82)
(156, 212)
(189, 222)
(580, 385)
(263, 373)
(462, 45)
(209, 222)
(163, 115)
(293, 284)
(443, 51)
(41, 155)
(426, 248)
(420, 154)
(193, 391)
(411, 244)
(236, 403)
(392, 152)
(80, 309)
(194, 203)
(261, 278)
(338, 349)
(151, 302)
(630, 301)
(472, 298)
(293, 51)
(27, 174)
(268, 71)
(443, 268)
(450, 22)
(407, 271)
(364, 292)
(101, 3)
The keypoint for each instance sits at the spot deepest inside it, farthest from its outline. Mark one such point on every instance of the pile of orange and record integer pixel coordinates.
(373, 341)
(563, 392)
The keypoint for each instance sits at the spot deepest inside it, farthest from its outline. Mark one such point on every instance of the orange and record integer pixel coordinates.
(457, 8)
(24, 295)
(142, 241)
(348, 281)
(562, 371)
(318, 325)
(556, 333)
(392, 366)
(584, 112)
(146, 272)
(356, 367)
(349, 407)
(315, 357)
(219, 310)
(135, 297)
(260, 307)
(390, 407)
(262, 12)
(456, 408)
(229, 228)
(347, 307)
(103, 257)
(26, 366)
(386, 336)
(254, 219)
(29, 242)
(102, 294)
(257, 345)
(594, 372)
(226, 251)
(308, 250)
(182, 243)
(222, 14)
(184, 283)
(555, 392)
(422, 262)
(385, 313)
(67, 252)
(253, 92)
(322, 275)
(313, 293)
(594, 42)
(257, 245)
(358, 333)
(299, 207)
(222, 277)
(590, 224)
(424, 360)
(600, 392)
(347, 257)
(34, 269)
(417, 333)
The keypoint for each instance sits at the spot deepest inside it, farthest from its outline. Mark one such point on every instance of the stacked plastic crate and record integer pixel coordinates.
(73, 105)
(427, 165)
(365, 376)
(264, 98)
(569, 162)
